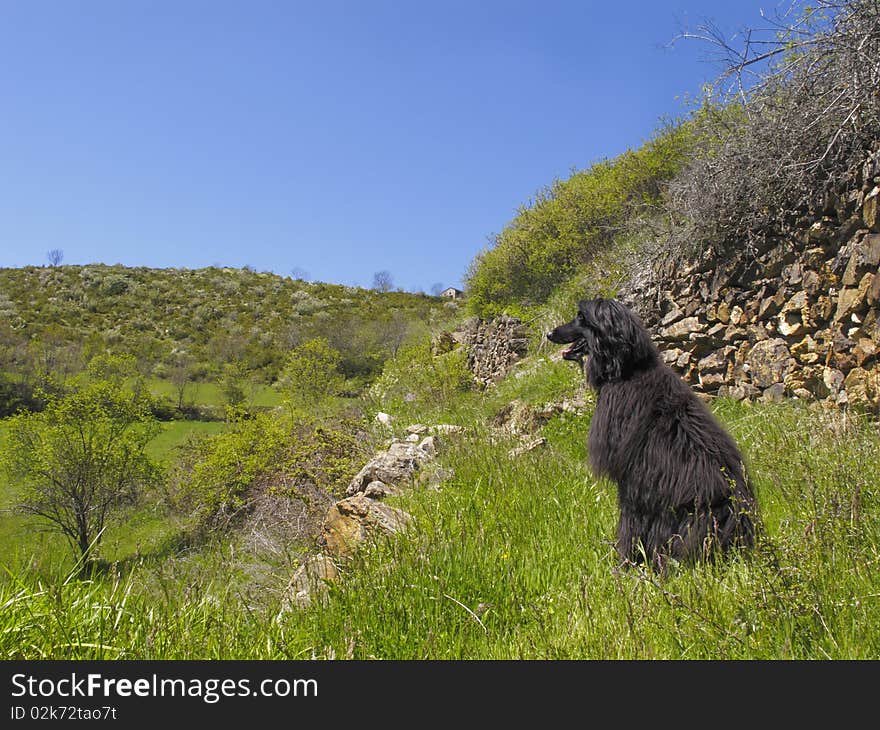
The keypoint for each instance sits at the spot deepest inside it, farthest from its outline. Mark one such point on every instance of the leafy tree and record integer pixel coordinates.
(232, 385)
(81, 458)
(310, 375)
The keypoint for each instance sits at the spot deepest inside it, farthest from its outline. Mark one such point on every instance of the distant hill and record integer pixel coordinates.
(53, 319)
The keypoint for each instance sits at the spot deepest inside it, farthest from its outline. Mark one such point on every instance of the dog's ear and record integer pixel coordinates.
(622, 343)
(585, 308)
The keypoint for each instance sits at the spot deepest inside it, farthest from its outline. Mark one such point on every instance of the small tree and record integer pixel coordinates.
(232, 385)
(436, 289)
(80, 459)
(55, 256)
(181, 374)
(383, 281)
(310, 375)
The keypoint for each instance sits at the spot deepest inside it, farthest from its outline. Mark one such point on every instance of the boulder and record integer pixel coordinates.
(310, 582)
(769, 361)
(833, 379)
(384, 419)
(352, 521)
(682, 329)
(853, 301)
(864, 259)
(863, 386)
(394, 467)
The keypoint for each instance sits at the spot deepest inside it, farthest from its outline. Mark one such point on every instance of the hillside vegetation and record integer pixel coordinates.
(192, 326)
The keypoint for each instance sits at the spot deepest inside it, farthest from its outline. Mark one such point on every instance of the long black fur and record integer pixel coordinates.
(682, 489)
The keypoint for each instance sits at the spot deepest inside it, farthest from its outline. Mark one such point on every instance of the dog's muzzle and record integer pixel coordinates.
(576, 351)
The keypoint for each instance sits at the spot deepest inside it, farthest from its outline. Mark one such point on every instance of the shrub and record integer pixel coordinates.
(220, 476)
(569, 222)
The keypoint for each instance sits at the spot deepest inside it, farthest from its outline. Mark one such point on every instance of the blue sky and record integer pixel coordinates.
(338, 138)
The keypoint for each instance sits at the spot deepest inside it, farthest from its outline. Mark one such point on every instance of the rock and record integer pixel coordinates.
(395, 466)
(774, 394)
(447, 428)
(863, 386)
(310, 581)
(526, 447)
(683, 329)
(417, 428)
(352, 521)
(673, 316)
(380, 490)
(865, 351)
(833, 379)
(870, 213)
(493, 347)
(851, 301)
(793, 273)
(716, 361)
(806, 351)
(384, 419)
(811, 283)
(428, 446)
(710, 381)
(770, 306)
(769, 361)
(864, 259)
(791, 319)
(412, 438)
(872, 295)
(809, 380)
(737, 316)
(740, 392)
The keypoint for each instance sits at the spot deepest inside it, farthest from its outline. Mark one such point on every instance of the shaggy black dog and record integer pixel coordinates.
(682, 490)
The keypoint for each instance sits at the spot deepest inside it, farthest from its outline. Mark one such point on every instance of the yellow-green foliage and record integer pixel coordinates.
(568, 222)
(310, 375)
(219, 475)
(81, 458)
(418, 376)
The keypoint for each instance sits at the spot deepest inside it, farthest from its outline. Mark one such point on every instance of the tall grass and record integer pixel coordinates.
(513, 558)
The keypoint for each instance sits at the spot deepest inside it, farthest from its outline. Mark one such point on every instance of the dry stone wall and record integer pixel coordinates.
(493, 346)
(798, 318)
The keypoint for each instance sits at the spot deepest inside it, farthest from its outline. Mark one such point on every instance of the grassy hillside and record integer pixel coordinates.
(192, 326)
(513, 558)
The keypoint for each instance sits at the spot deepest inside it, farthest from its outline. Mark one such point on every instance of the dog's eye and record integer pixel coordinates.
(581, 319)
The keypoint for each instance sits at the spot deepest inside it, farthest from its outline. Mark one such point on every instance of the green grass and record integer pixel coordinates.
(208, 393)
(514, 559)
(26, 545)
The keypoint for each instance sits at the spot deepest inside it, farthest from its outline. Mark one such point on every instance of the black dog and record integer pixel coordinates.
(682, 490)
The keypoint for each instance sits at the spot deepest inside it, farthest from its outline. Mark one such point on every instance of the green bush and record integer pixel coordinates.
(218, 476)
(419, 377)
(569, 222)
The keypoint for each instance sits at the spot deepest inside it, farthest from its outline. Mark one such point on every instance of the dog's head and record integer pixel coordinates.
(610, 336)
